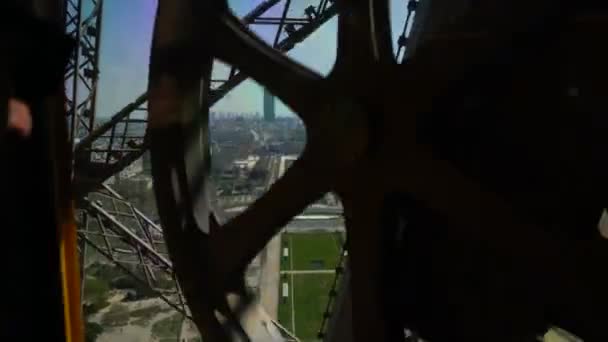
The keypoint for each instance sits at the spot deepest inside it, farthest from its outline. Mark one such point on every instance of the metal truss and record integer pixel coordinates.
(402, 41)
(333, 293)
(111, 147)
(83, 19)
(115, 229)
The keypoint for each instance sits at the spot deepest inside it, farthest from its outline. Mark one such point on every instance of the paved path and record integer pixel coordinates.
(270, 277)
(270, 273)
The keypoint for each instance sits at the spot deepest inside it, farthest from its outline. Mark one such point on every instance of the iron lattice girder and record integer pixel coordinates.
(277, 21)
(331, 298)
(144, 234)
(89, 175)
(127, 237)
(83, 68)
(403, 39)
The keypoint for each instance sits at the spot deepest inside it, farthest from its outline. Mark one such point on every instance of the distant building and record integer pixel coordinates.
(269, 107)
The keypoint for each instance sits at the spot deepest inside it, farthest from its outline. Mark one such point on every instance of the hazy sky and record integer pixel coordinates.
(125, 49)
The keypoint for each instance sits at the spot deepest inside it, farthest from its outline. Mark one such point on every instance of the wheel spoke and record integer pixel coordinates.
(363, 223)
(294, 84)
(364, 34)
(302, 184)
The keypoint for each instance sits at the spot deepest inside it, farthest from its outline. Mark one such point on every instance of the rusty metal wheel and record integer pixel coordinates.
(362, 144)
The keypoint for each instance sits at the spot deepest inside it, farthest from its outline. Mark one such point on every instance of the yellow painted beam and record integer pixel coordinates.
(70, 278)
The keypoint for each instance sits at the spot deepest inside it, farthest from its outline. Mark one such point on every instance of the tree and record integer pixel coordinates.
(92, 331)
(95, 294)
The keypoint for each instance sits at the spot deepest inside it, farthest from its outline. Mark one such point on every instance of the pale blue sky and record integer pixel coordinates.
(126, 38)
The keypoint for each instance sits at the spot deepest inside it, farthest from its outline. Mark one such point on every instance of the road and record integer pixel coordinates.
(270, 277)
(271, 267)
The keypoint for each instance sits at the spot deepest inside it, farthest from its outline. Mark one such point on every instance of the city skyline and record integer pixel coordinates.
(125, 48)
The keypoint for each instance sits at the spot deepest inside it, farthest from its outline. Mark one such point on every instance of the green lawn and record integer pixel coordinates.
(96, 293)
(311, 295)
(311, 251)
(309, 292)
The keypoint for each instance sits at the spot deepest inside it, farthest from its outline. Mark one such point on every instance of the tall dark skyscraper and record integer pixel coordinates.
(269, 106)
